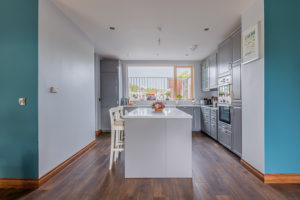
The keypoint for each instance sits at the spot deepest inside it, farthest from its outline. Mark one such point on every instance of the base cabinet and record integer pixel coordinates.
(197, 119)
(214, 123)
(195, 112)
(237, 129)
(209, 121)
(205, 119)
(225, 135)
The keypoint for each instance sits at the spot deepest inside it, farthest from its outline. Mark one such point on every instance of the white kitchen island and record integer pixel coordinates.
(158, 145)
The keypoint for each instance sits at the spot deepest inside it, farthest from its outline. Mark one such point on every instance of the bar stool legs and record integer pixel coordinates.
(116, 145)
(112, 148)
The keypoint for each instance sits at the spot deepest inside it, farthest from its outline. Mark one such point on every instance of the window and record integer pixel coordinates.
(149, 83)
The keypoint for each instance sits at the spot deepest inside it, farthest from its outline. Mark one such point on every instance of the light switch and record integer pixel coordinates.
(54, 90)
(22, 101)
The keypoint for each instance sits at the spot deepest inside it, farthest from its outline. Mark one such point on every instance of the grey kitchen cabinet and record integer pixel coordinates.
(195, 112)
(205, 119)
(209, 74)
(213, 76)
(109, 66)
(225, 57)
(236, 40)
(109, 75)
(214, 123)
(186, 109)
(205, 75)
(224, 134)
(237, 129)
(196, 119)
(236, 81)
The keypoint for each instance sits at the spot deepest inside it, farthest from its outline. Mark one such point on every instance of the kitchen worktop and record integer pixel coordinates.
(209, 106)
(145, 105)
(169, 112)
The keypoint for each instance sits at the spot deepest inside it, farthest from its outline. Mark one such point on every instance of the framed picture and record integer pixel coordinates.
(250, 44)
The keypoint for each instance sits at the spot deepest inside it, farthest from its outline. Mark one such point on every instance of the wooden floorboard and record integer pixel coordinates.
(217, 174)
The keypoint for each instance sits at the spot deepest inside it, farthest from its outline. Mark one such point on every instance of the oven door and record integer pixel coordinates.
(224, 114)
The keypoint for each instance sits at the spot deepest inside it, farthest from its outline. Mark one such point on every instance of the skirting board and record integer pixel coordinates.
(272, 178)
(282, 178)
(251, 169)
(35, 183)
(97, 133)
(19, 183)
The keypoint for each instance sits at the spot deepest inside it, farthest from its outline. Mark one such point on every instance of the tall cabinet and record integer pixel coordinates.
(109, 72)
(229, 63)
(236, 94)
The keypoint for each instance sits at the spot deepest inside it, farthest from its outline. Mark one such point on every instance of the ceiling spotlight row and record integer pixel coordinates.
(193, 48)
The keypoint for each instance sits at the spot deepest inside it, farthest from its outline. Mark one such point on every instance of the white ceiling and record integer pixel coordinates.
(136, 22)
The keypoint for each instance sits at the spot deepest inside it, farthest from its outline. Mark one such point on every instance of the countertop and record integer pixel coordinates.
(172, 106)
(210, 106)
(150, 113)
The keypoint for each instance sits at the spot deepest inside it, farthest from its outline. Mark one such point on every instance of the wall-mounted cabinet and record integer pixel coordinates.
(209, 73)
(229, 52)
(213, 76)
(225, 57)
(236, 44)
(205, 75)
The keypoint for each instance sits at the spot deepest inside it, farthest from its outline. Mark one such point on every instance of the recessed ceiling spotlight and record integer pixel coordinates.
(187, 54)
(206, 29)
(112, 28)
(194, 47)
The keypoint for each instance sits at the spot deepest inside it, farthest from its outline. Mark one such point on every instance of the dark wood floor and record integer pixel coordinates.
(217, 174)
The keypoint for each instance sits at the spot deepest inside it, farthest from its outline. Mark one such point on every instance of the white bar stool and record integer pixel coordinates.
(117, 133)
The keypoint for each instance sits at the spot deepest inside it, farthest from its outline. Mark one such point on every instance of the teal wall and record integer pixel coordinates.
(282, 85)
(18, 78)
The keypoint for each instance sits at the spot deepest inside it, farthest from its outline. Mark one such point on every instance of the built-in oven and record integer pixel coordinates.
(225, 114)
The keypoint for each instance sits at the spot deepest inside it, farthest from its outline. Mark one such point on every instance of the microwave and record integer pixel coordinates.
(225, 90)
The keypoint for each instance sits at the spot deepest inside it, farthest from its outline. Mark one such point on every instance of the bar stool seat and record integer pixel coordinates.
(119, 123)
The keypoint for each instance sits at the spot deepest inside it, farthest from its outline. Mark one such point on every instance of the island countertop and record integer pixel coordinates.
(170, 112)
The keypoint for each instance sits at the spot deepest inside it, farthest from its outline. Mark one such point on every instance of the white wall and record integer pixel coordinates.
(253, 95)
(196, 64)
(66, 61)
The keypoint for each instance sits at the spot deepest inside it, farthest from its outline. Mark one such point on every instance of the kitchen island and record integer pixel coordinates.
(158, 145)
